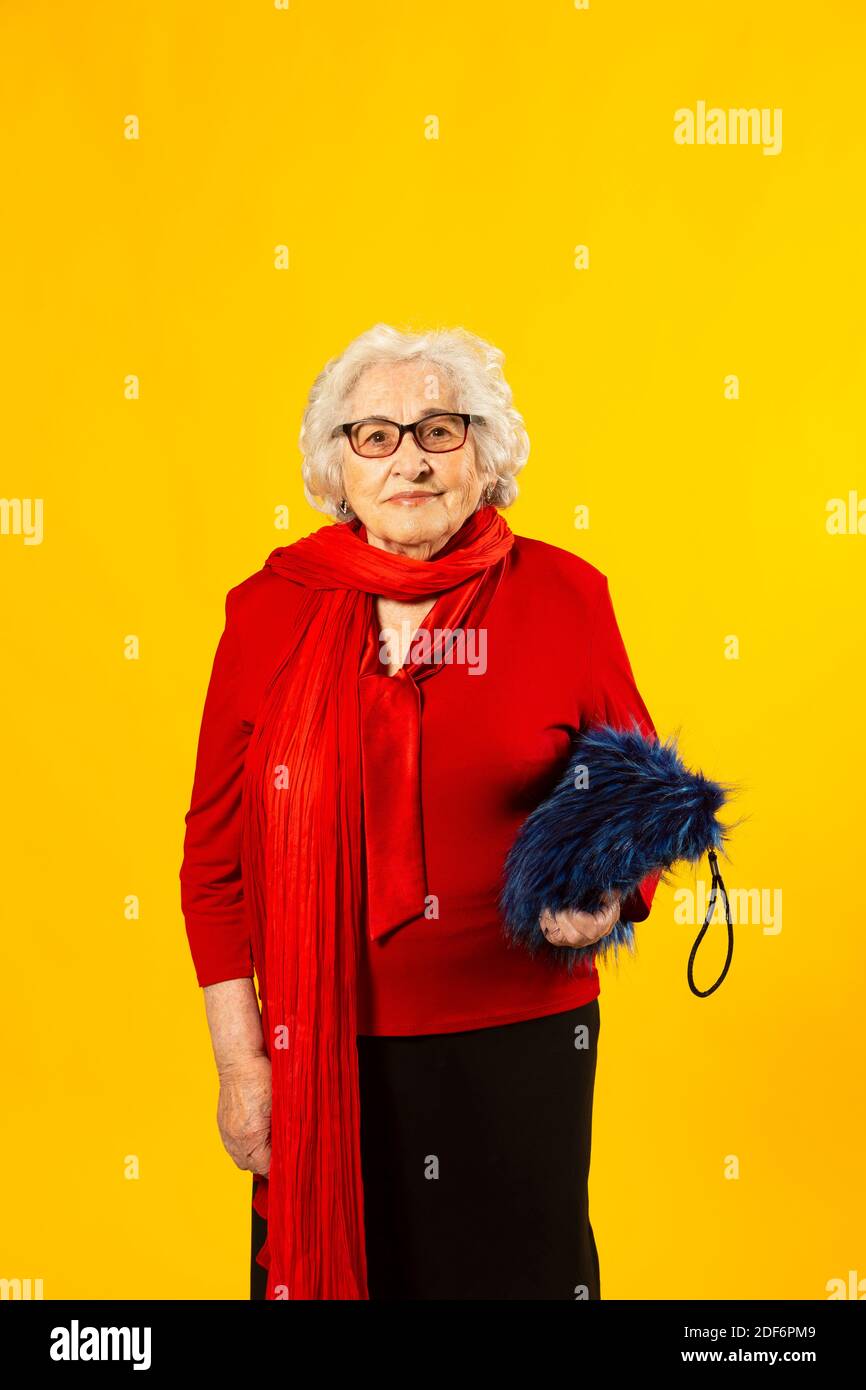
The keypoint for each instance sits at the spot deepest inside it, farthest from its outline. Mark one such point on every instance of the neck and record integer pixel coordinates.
(420, 550)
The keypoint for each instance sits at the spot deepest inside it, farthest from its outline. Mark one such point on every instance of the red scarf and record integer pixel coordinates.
(334, 757)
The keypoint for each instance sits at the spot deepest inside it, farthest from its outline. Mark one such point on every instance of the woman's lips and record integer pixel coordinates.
(412, 498)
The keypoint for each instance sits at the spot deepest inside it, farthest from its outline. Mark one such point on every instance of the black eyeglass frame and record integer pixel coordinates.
(410, 429)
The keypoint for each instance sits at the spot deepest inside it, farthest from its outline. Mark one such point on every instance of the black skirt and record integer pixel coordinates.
(475, 1151)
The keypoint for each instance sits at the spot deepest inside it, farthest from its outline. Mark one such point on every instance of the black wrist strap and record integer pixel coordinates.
(718, 882)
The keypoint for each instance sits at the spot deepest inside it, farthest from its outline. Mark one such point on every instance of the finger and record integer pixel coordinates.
(551, 928)
(605, 927)
(260, 1161)
(608, 914)
(558, 930)
(585, 928)
(577, 926)
(570, 930)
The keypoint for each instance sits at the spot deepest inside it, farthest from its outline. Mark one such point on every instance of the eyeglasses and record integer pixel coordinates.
(374, 438)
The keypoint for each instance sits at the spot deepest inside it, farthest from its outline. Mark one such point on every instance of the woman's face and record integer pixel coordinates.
(413, 501)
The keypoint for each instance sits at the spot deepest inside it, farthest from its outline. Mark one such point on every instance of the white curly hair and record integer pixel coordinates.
(472, 366)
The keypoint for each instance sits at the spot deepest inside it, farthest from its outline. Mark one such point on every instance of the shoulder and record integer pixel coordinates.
(258, 599)
(556, 571)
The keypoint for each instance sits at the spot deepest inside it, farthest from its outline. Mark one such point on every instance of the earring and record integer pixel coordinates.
(489, 491)
(344, 507)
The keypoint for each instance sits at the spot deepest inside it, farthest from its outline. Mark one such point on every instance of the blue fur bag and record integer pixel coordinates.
(625, 807)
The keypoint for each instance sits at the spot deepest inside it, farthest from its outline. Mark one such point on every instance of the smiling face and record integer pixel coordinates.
(414, 500)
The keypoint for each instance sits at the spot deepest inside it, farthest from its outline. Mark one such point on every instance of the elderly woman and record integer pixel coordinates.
(390, 698)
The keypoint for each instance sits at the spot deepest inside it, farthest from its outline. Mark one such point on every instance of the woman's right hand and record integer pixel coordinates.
(244, 1112)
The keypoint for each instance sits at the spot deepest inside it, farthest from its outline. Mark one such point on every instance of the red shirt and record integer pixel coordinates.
(493, 745)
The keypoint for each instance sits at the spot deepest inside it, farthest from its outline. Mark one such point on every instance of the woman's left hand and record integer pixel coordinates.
(581, 928)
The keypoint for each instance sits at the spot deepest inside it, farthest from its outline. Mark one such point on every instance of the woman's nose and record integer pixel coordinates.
(409, 460)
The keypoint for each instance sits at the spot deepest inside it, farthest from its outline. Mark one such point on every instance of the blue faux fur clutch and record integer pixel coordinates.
(625, 807)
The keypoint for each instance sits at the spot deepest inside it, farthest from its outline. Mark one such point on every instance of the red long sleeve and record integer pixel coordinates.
(212, 897)
(616, 700)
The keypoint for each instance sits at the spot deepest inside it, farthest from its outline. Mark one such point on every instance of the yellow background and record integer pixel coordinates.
(155, 257)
